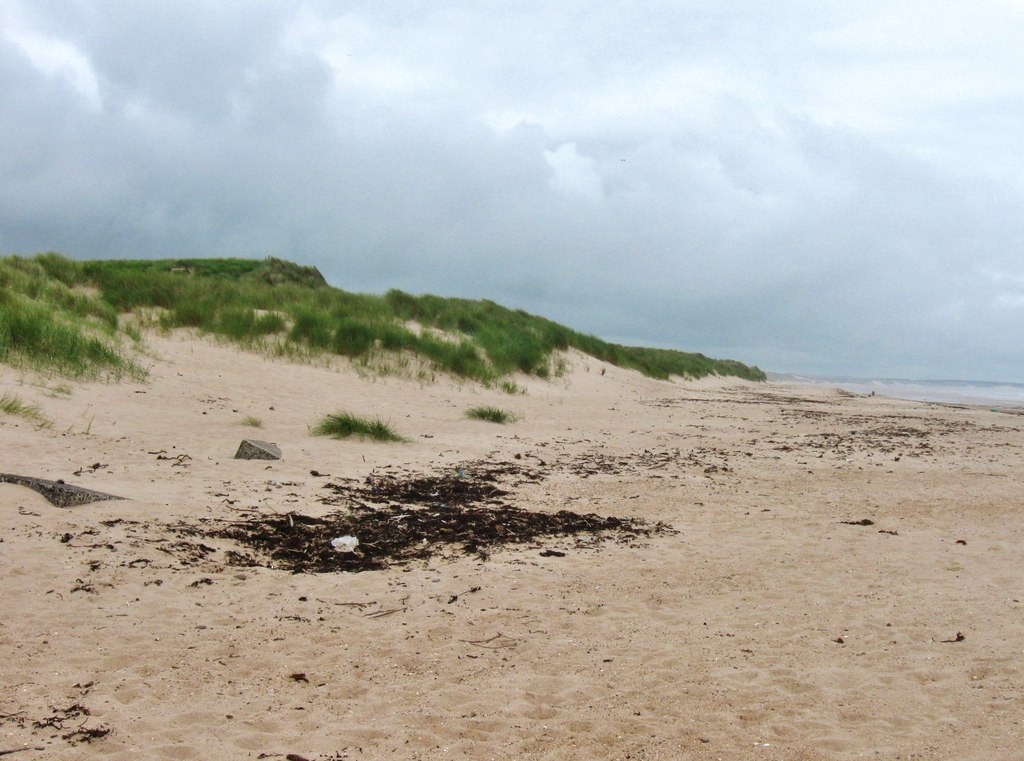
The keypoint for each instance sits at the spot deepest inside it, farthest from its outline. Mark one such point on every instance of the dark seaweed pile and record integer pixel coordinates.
(400, 519)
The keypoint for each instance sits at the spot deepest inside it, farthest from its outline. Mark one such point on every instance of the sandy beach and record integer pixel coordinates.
(843, 576)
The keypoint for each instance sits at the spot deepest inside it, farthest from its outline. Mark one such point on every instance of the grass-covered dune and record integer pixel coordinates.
(58, 313)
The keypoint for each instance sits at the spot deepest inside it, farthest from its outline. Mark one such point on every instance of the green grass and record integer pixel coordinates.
(57, 391)
(344, 424)
(253, 421)
(511, 387)
(64, 314)
(490, 414)
(52, 318)
(14, 405)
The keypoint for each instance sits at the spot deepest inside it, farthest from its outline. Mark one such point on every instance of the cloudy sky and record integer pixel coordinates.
(815, 187)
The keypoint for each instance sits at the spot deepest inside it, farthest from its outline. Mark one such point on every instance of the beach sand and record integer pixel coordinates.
(773, 624)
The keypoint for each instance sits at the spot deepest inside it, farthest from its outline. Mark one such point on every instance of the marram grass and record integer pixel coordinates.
(490, 414)
(14, 405)
(342, 425)
(52, 320)
(61, 314)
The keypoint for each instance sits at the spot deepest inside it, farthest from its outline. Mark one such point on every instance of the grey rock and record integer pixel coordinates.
(57, 492)
(251, 449)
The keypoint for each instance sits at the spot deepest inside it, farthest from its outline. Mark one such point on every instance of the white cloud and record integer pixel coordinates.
(54, 57)
(374, 62)
(574, 175)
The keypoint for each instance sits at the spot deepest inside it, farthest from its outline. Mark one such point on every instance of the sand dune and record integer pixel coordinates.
(775, 623)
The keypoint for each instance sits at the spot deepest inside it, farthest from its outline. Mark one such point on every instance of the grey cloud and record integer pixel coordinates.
(650, 172)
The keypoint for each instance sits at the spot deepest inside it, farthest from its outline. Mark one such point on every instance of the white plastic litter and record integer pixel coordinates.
(345, 543)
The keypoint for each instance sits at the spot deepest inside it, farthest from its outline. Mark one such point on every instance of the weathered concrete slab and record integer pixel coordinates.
(251, 449)
(57, 492)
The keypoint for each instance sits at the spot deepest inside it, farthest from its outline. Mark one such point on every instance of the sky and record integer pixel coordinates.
(816, 187)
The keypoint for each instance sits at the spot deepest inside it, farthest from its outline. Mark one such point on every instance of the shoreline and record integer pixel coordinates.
(971, 393)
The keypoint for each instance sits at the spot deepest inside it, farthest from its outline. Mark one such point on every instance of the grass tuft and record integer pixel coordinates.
(14, 405)
(511, 387)
(344, 424)
(253, 421)
(491, 414)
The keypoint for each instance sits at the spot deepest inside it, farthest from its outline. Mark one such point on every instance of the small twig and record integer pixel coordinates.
(382, 613)
(347, 604)
(18, 750)
(243, 510)
(485, 643)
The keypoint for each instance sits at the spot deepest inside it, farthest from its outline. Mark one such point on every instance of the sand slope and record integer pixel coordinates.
(766, 628)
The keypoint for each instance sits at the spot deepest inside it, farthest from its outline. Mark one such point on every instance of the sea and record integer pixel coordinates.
(983, 393)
